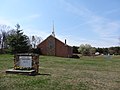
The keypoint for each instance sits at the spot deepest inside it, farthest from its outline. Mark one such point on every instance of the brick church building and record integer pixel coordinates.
(54, 47)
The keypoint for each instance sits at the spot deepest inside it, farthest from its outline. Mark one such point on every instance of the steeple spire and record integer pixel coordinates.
(53, 32)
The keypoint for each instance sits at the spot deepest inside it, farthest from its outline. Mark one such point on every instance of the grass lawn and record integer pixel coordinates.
(86, 73)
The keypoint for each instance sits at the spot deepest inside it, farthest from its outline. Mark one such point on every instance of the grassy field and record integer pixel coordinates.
(86, 73)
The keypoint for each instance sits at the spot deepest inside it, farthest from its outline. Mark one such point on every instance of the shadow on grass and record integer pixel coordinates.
(28, 74)
(43, 74)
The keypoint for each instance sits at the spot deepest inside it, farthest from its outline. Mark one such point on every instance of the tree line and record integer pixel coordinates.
(15, 41)
(88, 50)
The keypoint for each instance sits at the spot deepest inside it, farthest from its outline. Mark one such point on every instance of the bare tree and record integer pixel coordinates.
(119, 40)
(3, 36)
(34, 41)
(0, 40)
(84, 49)
(92, 51)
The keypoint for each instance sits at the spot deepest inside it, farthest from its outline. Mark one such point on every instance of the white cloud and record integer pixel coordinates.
(4, 21)
(33, 16)
(81, 10)
(31, 31)
(113, 11)
(27, 19)
(105, 28)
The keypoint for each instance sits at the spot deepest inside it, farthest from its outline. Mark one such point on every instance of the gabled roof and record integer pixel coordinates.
(55, 39)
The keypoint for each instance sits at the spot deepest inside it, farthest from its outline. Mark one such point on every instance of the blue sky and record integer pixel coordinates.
(94, 22)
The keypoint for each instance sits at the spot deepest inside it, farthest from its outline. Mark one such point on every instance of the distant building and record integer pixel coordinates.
(97, 53)
(54, 47)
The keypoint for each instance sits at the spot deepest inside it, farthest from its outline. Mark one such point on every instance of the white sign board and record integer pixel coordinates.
(25, 61)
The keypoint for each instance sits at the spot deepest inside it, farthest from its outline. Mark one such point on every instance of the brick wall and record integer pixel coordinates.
(53, 46)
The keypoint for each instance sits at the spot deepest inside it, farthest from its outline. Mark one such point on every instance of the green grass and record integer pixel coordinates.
(86, 73)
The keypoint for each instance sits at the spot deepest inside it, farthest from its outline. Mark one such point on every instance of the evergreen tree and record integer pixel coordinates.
(17, 41)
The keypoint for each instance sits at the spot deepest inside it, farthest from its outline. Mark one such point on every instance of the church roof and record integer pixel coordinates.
(55, 39)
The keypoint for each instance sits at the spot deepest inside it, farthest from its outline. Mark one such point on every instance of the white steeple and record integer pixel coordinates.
(53, 32)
